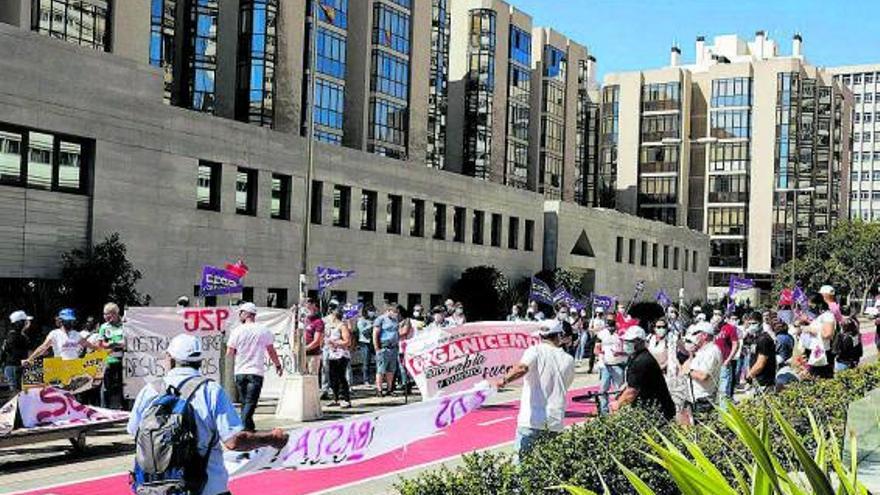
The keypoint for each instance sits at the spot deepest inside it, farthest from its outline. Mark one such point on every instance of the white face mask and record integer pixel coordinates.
(661, 331)
(417, 314)
(563, 316)
(629, 347)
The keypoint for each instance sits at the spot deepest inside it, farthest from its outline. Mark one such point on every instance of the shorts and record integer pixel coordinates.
(386, 360)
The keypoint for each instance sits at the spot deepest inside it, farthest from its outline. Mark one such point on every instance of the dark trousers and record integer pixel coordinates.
(249, 388)
(111, 387)
(338, 381)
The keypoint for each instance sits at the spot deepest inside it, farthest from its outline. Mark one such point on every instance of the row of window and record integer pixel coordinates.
(866, 97)
(391, 28)
(865, 156)
(866, 78)
(368, 209)
(730, 124)
(866, 117)
(865, 195)
(629, 248)
(81, 22)
(661, 96)
(41, 160)
(732, 92)
(866, 175)
(209, 187)
(859, 137)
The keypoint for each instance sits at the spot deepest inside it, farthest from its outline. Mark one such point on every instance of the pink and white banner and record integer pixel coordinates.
(363, 437)
(454, 359)
(55, 407)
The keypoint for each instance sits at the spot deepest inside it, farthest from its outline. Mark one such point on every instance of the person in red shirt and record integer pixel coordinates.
(728, 341)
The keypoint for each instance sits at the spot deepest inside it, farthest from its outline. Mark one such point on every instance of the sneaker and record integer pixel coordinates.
(346, 405)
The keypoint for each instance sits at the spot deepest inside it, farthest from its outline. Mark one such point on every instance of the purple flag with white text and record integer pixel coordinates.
(328, 276)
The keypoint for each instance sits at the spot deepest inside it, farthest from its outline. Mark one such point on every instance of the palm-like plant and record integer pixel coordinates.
(755, 468)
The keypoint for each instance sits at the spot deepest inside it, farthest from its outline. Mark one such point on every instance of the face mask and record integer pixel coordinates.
(417, 314)
(371, 314)
(629, 347)
(661, 331)
(459, 311)
(563, 316)
(754, 328)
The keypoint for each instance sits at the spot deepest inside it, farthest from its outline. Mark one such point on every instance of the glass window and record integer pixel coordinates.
(732, 92)
(618, 251)
(10, 157)
(727, 221)
(658, 190)
(341, 206)
(654, 255)
(530, 235)
(163, 24)
(281, 186)
(331, 53)
(665, 257)
(202, 64)
(728, 124)
(69, 165)
(439, 221)
(520, 46)
(656, 128)
(388, 122)
(458, 223)
(687, 258)
(80, 22)
(329, 102)
(208, 188)
(390, 75)
(316, 210)
(728, 188)
(333, 12)
(694, 261)
(391, 28)
(513, 233)
(675, 259)
(555, 63)
(276, 298)
(643, 254)
(729, 157)
(496, 230)
(368, 210)
(417, 218)
(393, 214)
(632, 252)
(661, 96)
(246, 191)
(478, 223)
(256, 65)
(41, 149)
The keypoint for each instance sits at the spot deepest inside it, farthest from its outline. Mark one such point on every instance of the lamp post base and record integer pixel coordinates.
(300, 399)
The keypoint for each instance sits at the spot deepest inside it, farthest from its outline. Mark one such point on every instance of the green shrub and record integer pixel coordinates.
(580, 454)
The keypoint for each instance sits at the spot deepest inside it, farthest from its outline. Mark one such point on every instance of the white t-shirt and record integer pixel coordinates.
(816, 325)
(551, 371)
(66, 344)
(250, 341)
(612, 347)
(708, 360)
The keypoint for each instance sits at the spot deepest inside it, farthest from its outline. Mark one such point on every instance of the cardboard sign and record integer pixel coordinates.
(72, 375)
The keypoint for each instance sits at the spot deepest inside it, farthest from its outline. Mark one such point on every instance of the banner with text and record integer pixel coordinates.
(450, 360)
(363, 437)
(148, 331)
(73, 375)
(55, 407)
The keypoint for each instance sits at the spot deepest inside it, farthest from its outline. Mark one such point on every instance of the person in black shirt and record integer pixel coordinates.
(763, 364)
(15, 348)
(645, 385)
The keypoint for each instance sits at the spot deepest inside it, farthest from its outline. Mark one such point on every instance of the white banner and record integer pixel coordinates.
(454, 359)
(55, 407)
(148, 331)
(363, 437)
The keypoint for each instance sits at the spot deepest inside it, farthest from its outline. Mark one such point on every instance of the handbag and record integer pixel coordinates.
(818, 355)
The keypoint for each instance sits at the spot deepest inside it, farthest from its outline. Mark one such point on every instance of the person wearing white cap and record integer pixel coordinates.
(15, 348)
(645, 385)
(548, 372)
(248, 344)
(216, 419)
(703, 368)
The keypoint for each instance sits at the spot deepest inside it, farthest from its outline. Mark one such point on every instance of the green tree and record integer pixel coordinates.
(848, 257)
(92, 277)
(482, 290)
(562, 277)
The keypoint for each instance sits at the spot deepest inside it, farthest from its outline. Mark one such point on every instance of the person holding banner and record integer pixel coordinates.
(548, 372)
(215, 415)
(438, 319)
(110, 333)
(65, 342)
(248, 346)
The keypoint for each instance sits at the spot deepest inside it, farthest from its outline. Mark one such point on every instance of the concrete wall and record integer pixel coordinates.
(566, 222)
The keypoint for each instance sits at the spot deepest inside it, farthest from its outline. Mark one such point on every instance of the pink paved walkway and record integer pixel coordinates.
(487, 427)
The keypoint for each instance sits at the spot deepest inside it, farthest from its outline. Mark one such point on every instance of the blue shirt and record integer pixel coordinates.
(388, 331)
(214, 413)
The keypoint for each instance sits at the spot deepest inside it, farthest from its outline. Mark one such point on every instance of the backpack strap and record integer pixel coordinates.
(191, 385)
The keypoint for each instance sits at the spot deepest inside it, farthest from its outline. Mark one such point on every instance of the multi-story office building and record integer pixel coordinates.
(438, 89)
(864, 181)
(88, 148)
(744, 144)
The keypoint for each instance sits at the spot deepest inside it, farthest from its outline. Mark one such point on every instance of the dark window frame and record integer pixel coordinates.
(86, 160)
(459, 217)
(369, 210)
(439, 222)
(215, 186)
(284, 199)
(394, 214)
(251, 194)
(478, 224)
(316, 206)
(529, 244)
(417, 218)
(513, 233)
(496, 225)
(342, 207)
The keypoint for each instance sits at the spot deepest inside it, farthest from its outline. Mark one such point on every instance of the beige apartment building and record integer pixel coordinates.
(744, 144)
(864, 179)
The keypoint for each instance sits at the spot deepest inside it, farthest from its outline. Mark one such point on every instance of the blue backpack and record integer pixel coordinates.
(167, 459)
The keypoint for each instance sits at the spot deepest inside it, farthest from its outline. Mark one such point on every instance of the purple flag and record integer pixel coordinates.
(799, 297)
(540, 292)
(663, 299)
(604, 302)
(216, 281)
(328, 276)
(738, 284)
(352, 310)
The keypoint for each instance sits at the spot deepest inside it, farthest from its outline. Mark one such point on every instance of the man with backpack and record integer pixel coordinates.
(178, 425)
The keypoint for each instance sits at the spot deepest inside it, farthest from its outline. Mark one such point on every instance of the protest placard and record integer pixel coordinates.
(454, 359)
(73, 375)
(56, 407)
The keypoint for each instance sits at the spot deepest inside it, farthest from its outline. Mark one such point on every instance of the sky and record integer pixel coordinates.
(628, 35)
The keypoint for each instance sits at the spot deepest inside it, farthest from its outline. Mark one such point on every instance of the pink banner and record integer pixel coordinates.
(55, 407)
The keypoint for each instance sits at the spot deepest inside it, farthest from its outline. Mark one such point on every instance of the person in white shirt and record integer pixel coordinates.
(658, 344)
(703, 368)
(65, 342)
(612, 361)
(821, 332)
(548, 372)
(248, 345)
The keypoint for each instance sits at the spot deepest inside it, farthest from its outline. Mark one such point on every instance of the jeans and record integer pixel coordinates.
(338, 381)
(325, 373)
(840, 365)
(401, 370)
(249, 388)
(728, 380)
(366, 352)
(609, 375)
(527, 438)
(111, 387)
(13, 376)
(585, 345)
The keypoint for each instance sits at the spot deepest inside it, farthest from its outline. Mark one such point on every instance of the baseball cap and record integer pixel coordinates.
(550, 328)
(248, 307)
(698, 309)
(702, 327)
(635, 333)
(600, 309)
(185, 348)
(18, 316)
(67, 314)
(827, 290)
